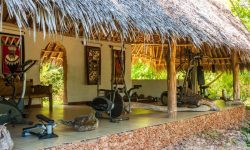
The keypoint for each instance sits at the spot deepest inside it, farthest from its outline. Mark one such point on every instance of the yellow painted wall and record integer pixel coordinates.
(77, 87)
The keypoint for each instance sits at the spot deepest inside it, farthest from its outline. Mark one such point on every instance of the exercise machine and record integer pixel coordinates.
(139, 98)
(43, 130)
(133, 96)
(188, 85)
(12, 111)
(188, 93)
(111, 101)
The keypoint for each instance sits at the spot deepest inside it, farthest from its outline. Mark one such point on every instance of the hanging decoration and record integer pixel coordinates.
(118, 66)
(93, 65)
(12, 52)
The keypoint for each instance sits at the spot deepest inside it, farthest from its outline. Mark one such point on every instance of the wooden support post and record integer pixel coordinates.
(65, 78)
(171, 79)
(236, 82)
(50, 98)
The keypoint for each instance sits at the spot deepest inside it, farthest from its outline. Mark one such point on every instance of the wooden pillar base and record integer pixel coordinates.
(172, 114)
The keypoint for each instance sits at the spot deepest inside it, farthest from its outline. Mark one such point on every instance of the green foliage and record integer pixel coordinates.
(220, 103)
(51, 74)
(245, 131)
(241, 8)
(226, 82)
(245, 85)
(142, 70)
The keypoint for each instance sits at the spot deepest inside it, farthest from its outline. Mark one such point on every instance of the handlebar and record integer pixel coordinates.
(27, 65)
(44, 118)
(22, 69)
(133, 88)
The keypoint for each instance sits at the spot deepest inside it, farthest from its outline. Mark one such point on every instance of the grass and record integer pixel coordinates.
(247, 103)
(220, 103)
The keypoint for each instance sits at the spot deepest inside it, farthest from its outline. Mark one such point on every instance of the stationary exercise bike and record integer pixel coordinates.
(10, 110)
(111, 101)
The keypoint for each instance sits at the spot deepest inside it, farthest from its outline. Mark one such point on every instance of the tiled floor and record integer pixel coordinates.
(138, 118)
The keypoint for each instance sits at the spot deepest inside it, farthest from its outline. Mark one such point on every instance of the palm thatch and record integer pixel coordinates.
(199, 21)
(153, 54)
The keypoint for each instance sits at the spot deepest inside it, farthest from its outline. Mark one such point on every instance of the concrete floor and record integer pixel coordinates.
(139, 118)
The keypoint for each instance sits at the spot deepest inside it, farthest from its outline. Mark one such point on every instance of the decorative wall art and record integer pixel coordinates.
(93, 58)
(118, 66)
(12, 51)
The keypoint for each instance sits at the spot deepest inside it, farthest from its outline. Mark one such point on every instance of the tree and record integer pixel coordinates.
(52, 74)
(142, 71)
(241, 8)
(226, 82)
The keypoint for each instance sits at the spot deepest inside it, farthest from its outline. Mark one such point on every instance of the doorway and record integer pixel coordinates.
(53, 70)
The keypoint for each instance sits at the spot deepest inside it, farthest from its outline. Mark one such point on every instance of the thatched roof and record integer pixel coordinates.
(207, 24)
(199, 21)
(153, 55)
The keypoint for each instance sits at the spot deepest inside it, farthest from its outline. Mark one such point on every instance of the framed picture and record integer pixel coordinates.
(118, 66)
(12, 51)
(93, 58)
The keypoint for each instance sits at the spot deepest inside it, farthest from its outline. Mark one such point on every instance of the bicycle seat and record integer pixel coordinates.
(121, 90)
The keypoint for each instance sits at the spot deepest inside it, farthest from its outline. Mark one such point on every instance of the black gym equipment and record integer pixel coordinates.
(133, 96)
(164, 97)
(200, 75)
(182, 93)
(213, 68)
(10, 110)
(42, 130)
(111, 102)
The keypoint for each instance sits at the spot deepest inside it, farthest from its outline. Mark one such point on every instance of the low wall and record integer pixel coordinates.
(152, 87)
(156, 137)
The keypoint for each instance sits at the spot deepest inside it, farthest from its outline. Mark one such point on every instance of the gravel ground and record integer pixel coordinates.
(213, 140)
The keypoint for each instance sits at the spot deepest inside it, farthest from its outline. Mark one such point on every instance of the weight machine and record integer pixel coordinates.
(188, 94)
